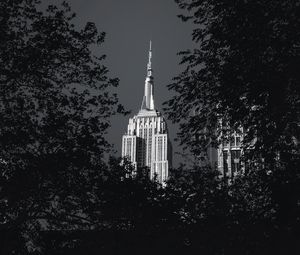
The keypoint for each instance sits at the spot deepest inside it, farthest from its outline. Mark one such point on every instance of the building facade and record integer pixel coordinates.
(146, 141)
(229, 156)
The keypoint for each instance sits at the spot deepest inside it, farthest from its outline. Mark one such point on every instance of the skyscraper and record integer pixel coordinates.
(146, 141)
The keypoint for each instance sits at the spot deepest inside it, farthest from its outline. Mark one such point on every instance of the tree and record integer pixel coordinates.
(243, 71)
(55, 105)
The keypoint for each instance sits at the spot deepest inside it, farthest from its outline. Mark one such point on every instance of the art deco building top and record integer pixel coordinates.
(146, 142)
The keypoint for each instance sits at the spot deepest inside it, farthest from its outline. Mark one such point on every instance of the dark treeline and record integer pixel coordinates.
(197, 213)
(59, 196)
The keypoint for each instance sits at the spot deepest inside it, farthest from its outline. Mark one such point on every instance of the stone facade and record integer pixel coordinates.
(146, 141)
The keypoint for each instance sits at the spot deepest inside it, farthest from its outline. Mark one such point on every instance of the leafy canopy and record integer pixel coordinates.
(55, 109)
(243, 71)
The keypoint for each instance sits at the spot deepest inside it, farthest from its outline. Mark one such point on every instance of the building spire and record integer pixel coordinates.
(149, 68)
(148, 100)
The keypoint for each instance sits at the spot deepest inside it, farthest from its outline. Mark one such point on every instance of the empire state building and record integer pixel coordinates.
(146, 141)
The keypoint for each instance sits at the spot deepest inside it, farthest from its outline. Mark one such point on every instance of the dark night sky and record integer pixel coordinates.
(129, 25)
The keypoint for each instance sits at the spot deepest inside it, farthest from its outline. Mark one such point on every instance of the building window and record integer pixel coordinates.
(232, 141)
(235, 160)
(225, 164)
(238, 141)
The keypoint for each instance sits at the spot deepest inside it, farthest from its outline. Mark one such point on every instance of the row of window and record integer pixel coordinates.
(235, 161)
(235, 141)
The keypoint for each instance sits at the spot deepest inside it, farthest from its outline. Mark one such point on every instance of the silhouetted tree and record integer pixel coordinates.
(242, 73)
(57, 196)
(256, 213)
(243, 70)
(55, 107)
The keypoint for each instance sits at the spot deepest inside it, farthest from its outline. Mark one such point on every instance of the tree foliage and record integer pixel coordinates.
(57, 196)
(55, 105)
(196, 212)
(244, 71)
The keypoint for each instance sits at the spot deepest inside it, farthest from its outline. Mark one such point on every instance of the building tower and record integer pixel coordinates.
(146, 141)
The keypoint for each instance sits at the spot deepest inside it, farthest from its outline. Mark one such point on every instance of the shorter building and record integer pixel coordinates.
(229, 155)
